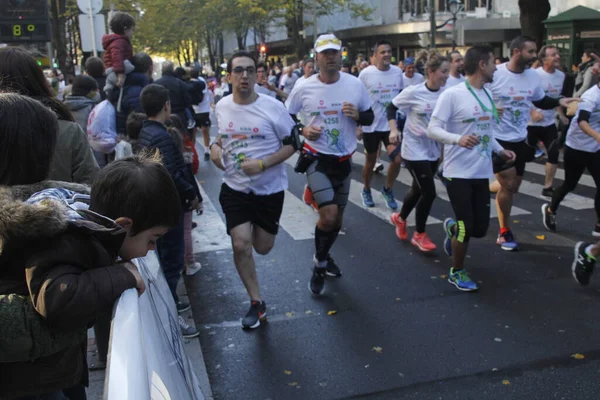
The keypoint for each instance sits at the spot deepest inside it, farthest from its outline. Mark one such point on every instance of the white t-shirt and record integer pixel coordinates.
(300, 80)
(322, 104)
(263, 90)
(415, 80)
(418, 102)
(552, 85)
(576, 138)
(515, 92)
(253, 131)
(382, 86)
(288, 82)
(452, 81)
(204, 106)
(463, 115)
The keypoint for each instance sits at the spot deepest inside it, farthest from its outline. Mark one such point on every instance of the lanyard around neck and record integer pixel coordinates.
(494, 111)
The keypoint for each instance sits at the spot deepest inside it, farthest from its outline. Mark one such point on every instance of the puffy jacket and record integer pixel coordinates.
(73, 158)
(117, 49)
(65, 261)
(154, 136)
(179, 94)
(80, 107)
(134, 83)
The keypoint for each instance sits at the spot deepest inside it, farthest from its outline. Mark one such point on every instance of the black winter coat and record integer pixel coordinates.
(179, 94)
(134, 83)
(153, 136)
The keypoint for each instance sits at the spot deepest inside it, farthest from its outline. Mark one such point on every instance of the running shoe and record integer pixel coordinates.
(548, 192)
(461, 280)
(583, 265)
(192, 268)
(332, 268)
(256, 313)
(317, 281)
(422, 241)
(367, 198)
(388, 196)
(507, 241)
(400, 226)
(182, 307)
(187, 331)
(449, 224)
(538, 153)
(596, 231)
(206, 154)
(309, 199)
(378, 167)
(548, 218)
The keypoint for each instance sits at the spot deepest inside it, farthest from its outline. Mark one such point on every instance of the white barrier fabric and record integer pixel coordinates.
(146, 358)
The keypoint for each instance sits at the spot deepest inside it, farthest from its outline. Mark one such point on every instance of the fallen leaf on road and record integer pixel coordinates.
(332, 312)
(516, 221)
(443, 276)
(287, 372)
(377, 349)
(506, 382)
(398, 299)
(289, 314)
(307, 312)
(578, 356)
(293, 384)
(541, 237)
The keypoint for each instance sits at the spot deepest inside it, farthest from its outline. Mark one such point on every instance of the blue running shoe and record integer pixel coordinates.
(449, 223)
(507, 241)
(539, 153)
(388, 196)
(367, 198)
(462, 281)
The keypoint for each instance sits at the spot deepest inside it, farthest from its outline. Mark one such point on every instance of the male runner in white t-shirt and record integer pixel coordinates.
(457, 68)
(543, 123)
(465, 120)
(334, 103)
(411, 76)
(249, 149)
(383, 82)
(202, 110)
(308, 67)
(516, 89)
(262, 85)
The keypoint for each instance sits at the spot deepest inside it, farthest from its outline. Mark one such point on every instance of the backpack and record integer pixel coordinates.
(102, 128)
(197, 91)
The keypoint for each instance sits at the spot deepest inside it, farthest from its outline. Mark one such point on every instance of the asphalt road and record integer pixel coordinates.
(392, 327)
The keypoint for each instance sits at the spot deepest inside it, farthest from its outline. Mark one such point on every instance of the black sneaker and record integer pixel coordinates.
(187, 331)
(547, 192)
(332, 268)
(256, 313)
(548, 218)
(317, 281)
(583, 265)
(183, 307)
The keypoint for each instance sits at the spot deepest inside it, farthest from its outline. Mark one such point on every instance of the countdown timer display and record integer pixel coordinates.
(24, 21)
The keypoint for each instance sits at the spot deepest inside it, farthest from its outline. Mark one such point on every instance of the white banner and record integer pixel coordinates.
(146, 358)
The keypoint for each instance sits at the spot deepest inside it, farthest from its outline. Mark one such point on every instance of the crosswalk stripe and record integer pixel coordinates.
(539, 169)
(211, 234)
(298, 219)
(571, 200)
(406, 178)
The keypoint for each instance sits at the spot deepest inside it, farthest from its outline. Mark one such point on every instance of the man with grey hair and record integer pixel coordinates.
(179, 95)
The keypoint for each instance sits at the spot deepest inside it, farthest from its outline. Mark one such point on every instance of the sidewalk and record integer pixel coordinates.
(192, 348)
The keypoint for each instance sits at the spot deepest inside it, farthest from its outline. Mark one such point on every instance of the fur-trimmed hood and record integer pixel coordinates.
(25, 218)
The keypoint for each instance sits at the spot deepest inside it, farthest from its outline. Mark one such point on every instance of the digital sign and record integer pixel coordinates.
(24, 21)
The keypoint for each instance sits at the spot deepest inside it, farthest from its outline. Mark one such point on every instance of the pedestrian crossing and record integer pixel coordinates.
(298, 220)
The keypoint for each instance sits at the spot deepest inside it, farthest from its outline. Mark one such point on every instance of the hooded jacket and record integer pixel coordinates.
(65, 261)
(117, 49)
(80, 107)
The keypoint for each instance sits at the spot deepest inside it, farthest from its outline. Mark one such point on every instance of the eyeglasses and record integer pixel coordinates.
(240, 70)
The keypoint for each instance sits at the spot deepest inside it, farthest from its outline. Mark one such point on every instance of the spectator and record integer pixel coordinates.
(73, 159)
(118, 50)
(585, 77)
(94, 67)
(81, 102)
(345, 68)
(178, 90)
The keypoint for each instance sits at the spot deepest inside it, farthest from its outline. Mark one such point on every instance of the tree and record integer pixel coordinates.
(533, 13)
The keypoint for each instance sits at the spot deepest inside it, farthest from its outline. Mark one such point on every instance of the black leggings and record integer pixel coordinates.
(422, 192)
(547, 135)
(470, 199)
(576, 161)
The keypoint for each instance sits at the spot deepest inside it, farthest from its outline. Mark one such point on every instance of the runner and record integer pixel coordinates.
(543, 123)
(420, 153)
(262, 85)
(464, 120)
(582, 151)
(383, 82)
(335, 103)
(457, 68)
(249, 149)
(202, 110)
(586, 255)
(516, 89)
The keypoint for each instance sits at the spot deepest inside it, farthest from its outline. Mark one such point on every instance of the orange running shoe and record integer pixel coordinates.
(400, 226)
(421, 240)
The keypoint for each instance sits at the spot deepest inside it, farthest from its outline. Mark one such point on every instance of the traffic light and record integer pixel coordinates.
(263, 49)
(344, 53)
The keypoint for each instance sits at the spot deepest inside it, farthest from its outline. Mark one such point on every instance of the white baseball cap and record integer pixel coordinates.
(328, 42)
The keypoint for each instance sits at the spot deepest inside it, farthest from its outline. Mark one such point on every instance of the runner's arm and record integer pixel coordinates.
(391, 111)
(436, 131)
(546, 103)
(584, 123)
(365, 118)
(278, 157)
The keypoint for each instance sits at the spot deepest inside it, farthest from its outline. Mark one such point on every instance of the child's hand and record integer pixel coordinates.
(139, 282)
(120, 80)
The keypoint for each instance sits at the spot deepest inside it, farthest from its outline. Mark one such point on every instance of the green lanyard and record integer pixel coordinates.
(494, 111)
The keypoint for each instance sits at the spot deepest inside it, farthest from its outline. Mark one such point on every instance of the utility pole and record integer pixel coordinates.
(432, 22)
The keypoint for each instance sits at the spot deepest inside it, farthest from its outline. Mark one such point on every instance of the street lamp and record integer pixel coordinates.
(454, 6)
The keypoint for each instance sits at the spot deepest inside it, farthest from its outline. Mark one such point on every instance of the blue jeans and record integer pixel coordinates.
(171, 249)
